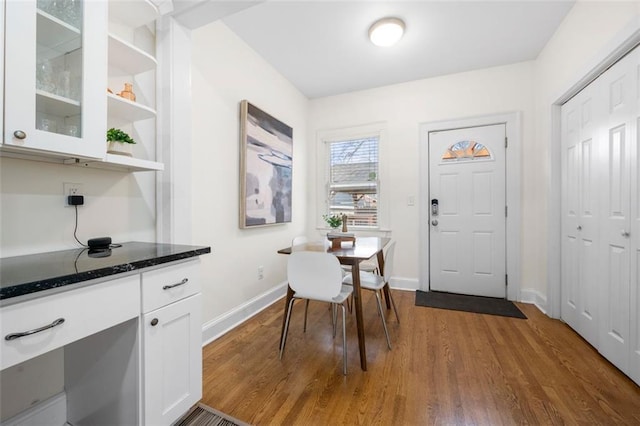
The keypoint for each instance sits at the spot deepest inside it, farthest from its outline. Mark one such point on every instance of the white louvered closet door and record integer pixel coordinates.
(601, 214)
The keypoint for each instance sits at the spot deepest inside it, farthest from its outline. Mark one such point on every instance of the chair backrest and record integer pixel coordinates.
(300, 239)
(314, 275)
(388, 261)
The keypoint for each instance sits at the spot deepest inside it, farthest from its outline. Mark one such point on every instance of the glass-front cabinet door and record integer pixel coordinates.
(55, 76)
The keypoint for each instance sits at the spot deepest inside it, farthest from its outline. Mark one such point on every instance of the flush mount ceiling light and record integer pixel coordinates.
(386, 31)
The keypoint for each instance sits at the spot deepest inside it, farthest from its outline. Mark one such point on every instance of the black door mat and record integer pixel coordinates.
(463, 302)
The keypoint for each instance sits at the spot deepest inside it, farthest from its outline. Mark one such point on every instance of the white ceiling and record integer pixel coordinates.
(322, 47)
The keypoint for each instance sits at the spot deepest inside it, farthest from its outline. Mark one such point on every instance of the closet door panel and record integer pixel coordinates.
(634, 234)
(589, 216)
(580, 214)
(620, 98)
(570, 213)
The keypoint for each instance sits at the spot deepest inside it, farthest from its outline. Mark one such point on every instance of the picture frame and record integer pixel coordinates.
(266, 168)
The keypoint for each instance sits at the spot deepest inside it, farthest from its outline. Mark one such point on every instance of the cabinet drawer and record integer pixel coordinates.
(85, 311)
(167, 285)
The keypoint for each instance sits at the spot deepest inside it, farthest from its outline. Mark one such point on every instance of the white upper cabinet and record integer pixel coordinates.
(55, 77)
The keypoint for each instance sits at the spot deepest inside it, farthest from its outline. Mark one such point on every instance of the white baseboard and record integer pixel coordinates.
(404, 283)
(224, 323)
(534, 297)
(52, 411)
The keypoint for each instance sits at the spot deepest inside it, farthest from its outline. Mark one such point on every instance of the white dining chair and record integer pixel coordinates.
(375, 283)
(295, 242)
(317, 276)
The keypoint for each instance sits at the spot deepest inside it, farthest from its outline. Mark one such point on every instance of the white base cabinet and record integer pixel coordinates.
(172, 360)
(172, 342)
(124, 362)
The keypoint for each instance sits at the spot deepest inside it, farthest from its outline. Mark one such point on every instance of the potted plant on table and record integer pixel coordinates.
(119, 142)
(333, 220)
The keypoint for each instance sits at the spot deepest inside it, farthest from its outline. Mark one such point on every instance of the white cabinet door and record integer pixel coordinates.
(55, 77)
(172, 360)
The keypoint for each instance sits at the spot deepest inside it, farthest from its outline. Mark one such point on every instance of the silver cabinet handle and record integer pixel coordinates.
(19, 134)
(625, 233)
(434, 222)
(579, 227)
(183, 282)
(154, 322)
(14, 336)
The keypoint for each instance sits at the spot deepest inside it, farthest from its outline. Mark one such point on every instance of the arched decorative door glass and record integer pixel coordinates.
(466, 150)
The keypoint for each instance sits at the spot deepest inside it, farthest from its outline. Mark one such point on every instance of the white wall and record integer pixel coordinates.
(588, 34)
(35, 219)
(403, 107)
(224, 72)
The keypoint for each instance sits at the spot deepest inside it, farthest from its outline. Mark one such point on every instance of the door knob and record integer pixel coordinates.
(625, 233)
(434, 222)
(154, 322)
(19, 134)
(579, 227)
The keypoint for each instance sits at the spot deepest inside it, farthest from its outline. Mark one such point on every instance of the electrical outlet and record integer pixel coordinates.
(260, 272)
(69, 188)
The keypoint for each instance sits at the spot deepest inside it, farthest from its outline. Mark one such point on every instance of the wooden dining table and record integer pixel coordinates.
(348, 254)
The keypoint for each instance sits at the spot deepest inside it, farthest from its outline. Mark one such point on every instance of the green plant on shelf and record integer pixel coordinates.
(117, 135)
(333, 220)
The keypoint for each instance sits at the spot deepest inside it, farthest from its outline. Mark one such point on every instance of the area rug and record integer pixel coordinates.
(462, 302)
(203, 415)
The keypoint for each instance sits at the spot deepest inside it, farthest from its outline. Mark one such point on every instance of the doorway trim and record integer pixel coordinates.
(512, 122)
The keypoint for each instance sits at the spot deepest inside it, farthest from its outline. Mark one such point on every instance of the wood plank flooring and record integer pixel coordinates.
(445, 368)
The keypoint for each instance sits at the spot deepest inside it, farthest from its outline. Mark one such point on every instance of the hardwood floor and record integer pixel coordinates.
(445, 368)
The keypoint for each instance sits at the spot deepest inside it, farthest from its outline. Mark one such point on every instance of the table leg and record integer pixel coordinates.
(357, 301)
(385, 289)
(284, 316)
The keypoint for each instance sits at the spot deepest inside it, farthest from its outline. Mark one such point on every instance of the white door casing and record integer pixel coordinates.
(468, 234)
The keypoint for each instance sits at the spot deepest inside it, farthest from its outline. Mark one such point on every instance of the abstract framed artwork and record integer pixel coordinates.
(266, 165)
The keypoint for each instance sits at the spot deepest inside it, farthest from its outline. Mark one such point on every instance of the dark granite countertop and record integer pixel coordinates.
(23, 275)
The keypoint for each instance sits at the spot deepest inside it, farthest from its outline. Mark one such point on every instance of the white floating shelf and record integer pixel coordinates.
(128, 58)
(119, 163)
(127, 110)
(132, 13)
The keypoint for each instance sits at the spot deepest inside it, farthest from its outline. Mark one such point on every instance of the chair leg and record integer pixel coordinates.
(334, 318)
(395, 310)
(384, 322)
(286, 327)
(344, 340)
(306, 308)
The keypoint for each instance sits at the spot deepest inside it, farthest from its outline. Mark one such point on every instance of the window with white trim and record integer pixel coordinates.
(352, 187)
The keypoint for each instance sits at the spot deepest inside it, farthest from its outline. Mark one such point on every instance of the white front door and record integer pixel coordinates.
(468, 211)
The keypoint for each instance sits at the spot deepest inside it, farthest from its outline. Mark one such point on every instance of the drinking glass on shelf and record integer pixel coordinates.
(44, 76)
(71, 130)
(63, 88)
(76, 88)
(47, 125)
(71, 12)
